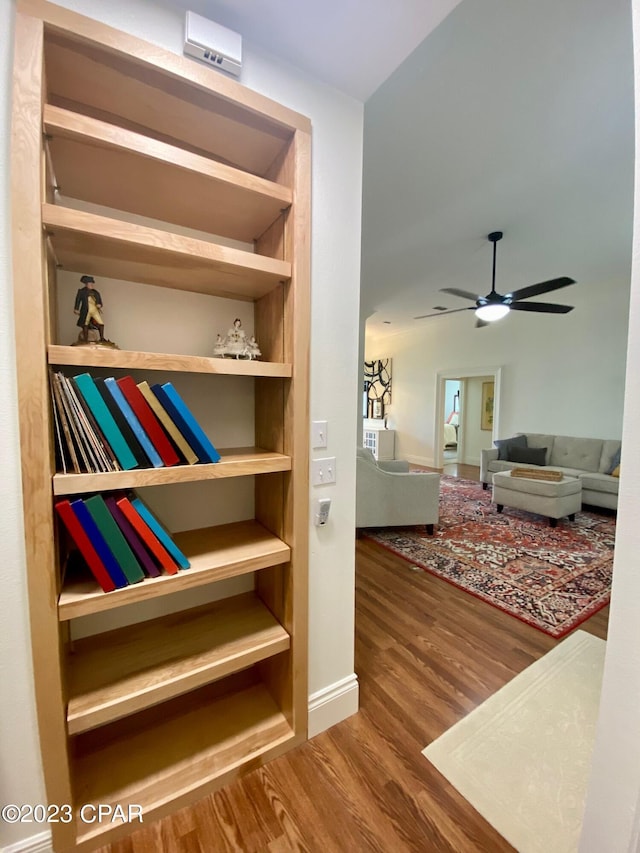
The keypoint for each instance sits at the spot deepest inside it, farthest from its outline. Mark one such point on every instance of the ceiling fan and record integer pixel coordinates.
(494, 306)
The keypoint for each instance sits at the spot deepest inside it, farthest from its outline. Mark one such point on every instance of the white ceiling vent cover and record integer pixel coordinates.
(213, 44)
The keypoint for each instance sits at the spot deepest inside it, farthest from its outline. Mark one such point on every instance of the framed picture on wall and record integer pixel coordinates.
(486, 415)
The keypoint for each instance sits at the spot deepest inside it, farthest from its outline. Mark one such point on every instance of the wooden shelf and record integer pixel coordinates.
(108, 165)
(235, 462)
(215, 553)
(101, 246)
(177, 753)
(124, 671)
(97, 356)
(171, 96)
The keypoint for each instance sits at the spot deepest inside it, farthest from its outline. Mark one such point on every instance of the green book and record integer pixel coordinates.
(115, 540)
(110, 429)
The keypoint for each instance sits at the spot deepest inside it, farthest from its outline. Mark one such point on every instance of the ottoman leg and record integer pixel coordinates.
(572, 517)
(484, 487)
(553, 522)
(430, 529)
(499, 507)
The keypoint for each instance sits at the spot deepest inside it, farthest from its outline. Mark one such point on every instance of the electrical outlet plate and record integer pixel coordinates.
(323, 471)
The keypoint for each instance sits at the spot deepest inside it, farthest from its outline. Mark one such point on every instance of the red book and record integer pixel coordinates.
(85, 547)
(147, 535)
(149, 421)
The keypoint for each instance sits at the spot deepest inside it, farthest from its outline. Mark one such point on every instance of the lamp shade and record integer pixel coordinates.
(492, 312)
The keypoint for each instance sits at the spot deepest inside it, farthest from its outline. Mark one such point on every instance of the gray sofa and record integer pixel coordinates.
(589, 459)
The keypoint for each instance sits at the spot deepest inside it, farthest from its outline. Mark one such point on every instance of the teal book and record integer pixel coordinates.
(114, 538)
(105, 420)
(164, 537)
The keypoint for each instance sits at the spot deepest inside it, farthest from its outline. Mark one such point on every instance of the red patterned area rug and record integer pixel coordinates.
(551, 578)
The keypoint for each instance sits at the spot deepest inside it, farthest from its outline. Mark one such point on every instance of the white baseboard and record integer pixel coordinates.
(333, 704)
(40, 843)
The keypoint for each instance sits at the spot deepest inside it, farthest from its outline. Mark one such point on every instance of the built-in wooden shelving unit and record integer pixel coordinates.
(135, 164)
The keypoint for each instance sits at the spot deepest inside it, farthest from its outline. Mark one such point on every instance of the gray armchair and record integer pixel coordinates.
(387, 495)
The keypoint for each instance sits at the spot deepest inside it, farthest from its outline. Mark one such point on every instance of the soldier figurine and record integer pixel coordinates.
(87, 306)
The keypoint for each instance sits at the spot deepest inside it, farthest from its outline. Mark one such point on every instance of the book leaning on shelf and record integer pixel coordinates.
(104, 425)
(120, 539)
(186, 422)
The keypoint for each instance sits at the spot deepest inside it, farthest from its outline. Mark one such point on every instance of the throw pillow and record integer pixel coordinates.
(615, 462)
(616, 471)
(503, 445)
(528, 455)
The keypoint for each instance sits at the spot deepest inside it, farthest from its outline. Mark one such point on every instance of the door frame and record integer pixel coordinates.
(461, 374)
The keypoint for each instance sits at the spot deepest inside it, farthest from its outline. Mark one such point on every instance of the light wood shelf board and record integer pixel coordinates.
(235, 462)
(123, 671)
(215, 553)
(97, 356)
(113, 248)
(177, 755)
(110, 166)
(143, 75)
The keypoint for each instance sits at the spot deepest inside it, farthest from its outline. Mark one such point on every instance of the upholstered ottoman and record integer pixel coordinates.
(555, 499)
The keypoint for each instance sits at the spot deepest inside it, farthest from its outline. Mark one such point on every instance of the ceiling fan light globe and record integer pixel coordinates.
(491, 313)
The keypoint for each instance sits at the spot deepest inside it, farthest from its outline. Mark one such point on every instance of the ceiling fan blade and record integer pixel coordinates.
(541, 307)
(463, 293)
(541, 287)
(442, 313)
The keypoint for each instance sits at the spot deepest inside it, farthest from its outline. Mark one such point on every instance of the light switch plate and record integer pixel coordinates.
(319, 434)
(323, 471)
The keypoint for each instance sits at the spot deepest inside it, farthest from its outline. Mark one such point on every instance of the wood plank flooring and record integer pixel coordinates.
(426, 655)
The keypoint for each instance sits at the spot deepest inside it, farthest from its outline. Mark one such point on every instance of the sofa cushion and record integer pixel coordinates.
(527, 455)
(499, 465)
(367, 454)
(582, 453)
(539, 439)
(503, 445)
(600, 483)
(570, 472)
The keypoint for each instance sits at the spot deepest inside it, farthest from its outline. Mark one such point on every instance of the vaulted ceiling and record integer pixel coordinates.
(511, 116)
(480, 115)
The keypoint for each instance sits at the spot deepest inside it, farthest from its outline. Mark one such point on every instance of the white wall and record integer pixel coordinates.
(561, 374)
(612, 814)
(335, 382)
(475, 438)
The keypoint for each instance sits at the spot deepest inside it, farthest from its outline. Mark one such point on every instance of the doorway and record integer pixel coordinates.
(452, 419)
(474, 430)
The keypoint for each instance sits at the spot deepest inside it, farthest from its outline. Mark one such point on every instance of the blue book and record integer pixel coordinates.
(110, 429)
(150, 519)
(97, 540)
(134, 423)
(185, 421)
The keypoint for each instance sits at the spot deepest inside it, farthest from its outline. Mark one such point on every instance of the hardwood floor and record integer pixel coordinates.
(426, 655)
